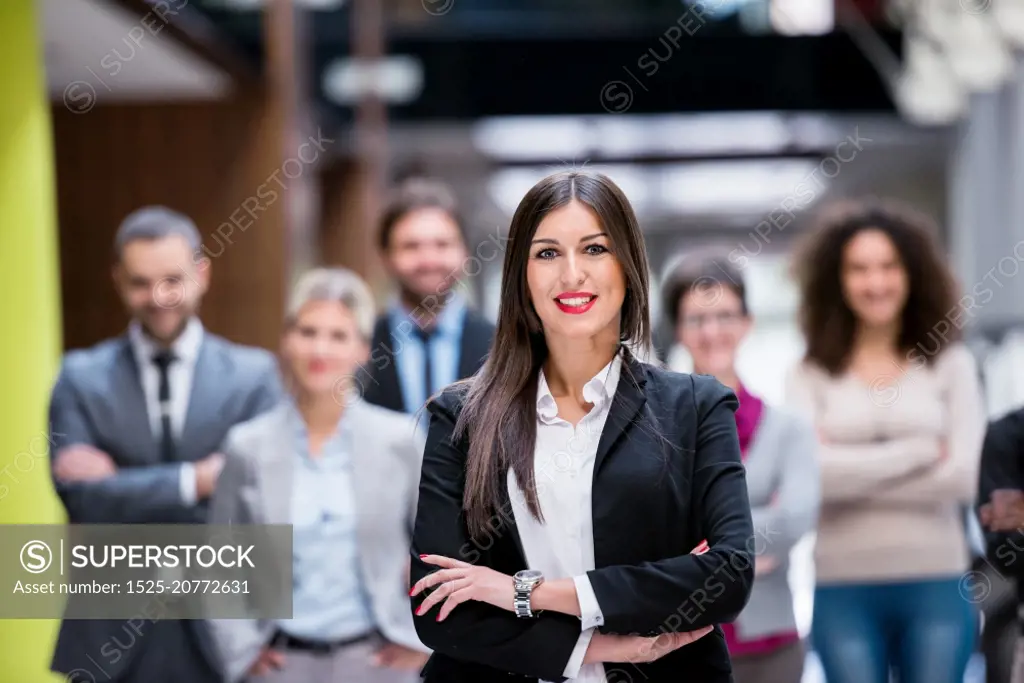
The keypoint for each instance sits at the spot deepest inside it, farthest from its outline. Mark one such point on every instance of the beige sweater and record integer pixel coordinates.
(890, 508)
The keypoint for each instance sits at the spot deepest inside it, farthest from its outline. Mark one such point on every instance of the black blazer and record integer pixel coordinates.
(380, 383)
(668, 474)
(1001, 468)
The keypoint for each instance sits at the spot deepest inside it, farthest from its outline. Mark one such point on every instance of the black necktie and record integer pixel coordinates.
(163, 360)
(428, 376)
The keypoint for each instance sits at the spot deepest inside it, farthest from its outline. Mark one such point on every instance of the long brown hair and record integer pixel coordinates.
(828, 323)
(499, 412)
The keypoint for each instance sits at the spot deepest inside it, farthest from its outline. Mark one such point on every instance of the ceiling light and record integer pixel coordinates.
(977, 56)
(396, 80)
(533, 137)
(1008, 16)
(802, 17)
(576, 139)
(508, 186)
(924, 93)
(734, 186)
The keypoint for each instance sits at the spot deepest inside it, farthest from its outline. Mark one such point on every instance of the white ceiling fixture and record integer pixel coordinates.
(1008, 15)
(735, 186)
(951, 49)
(693, 134)
(508, 186)
(925, 93)
(533, 137)
(396, 80)
(977, 54)
(701, 188)
(802, 17)
(578, 138)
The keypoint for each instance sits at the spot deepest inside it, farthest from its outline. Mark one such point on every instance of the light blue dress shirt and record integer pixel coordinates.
(444, 350)
(329, 600)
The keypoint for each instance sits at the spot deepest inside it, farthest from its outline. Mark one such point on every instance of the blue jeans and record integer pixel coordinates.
(923, 631)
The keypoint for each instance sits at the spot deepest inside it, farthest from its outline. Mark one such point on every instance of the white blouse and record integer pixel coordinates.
(563, 545)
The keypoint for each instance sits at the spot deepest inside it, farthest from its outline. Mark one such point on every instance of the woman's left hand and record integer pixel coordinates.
(460, 581)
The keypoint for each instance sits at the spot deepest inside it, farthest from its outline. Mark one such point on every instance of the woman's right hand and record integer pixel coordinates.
(268, 660)
(639, 649)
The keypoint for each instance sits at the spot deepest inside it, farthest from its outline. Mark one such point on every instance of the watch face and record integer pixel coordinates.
(529, 576)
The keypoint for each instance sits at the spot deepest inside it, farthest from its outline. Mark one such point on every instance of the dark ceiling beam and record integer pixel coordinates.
(198, 33)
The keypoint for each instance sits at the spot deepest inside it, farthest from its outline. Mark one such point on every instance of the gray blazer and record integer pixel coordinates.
(255, 487)
(785, 496)
(98, 400)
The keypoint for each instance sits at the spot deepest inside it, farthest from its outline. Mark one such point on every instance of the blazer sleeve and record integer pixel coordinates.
(136, 495)
(412, 449)
(226, 506)
(237, 641)
(475, 632)
(1001, 469)
(794, 512)
(689, 592)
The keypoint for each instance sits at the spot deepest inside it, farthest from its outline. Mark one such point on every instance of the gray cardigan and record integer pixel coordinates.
(785, 494)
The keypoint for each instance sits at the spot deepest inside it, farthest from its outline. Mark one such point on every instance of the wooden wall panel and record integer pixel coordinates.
(203, 159)
(348, 226)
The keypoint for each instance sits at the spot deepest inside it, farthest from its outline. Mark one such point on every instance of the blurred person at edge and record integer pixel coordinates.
(1001, 507)
(343, 473)
(706, 301)
(898, 409)
(566, 490)
(429, 337)
(137, 424)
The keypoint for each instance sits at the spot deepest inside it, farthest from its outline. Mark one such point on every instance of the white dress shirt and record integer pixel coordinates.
(563, 545)
(180, 374)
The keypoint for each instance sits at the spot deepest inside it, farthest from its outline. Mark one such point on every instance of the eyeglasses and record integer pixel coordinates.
(699, 320)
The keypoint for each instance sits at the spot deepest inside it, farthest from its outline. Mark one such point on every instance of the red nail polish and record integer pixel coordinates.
(422, 556)
(438, 618)
(411, 591)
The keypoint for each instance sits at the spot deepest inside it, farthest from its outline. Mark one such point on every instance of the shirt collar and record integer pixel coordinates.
(298, 425)
(598, 391)
(185, 347)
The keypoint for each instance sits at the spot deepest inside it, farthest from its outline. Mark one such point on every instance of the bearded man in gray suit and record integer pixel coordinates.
(137, 422)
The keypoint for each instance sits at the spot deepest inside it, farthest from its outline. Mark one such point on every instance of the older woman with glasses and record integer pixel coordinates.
(706, 300)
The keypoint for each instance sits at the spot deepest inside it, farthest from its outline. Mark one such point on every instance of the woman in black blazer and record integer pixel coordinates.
(582, 515)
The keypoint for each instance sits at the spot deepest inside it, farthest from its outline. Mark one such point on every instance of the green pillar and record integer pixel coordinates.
(30, 341)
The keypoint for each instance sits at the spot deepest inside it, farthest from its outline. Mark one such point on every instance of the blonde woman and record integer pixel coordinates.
(344, 474)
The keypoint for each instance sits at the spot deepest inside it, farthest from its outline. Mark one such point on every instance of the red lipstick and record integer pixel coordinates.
(575, 309)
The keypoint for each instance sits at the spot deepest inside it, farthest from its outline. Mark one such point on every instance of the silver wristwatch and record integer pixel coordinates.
(525, 581)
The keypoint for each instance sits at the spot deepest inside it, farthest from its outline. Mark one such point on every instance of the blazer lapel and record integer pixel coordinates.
(474, 344)
(207, 395)
(131, 407)
(277, 472)
(507, 518)
(381, 385)
(365, 448)
(629, 400)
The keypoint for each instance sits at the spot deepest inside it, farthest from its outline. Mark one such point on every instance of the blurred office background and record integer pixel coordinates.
(278, 124)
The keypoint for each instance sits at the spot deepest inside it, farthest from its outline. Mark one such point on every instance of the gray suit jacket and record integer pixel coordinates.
(256, 488)
(785, 496)
(98, 400)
